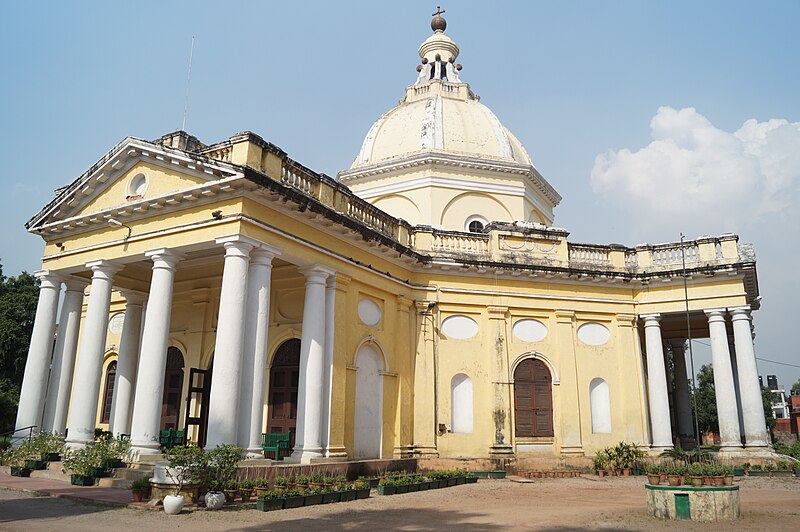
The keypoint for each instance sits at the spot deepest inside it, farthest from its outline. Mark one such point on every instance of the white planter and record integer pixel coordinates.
(173, 504)
(215, 500)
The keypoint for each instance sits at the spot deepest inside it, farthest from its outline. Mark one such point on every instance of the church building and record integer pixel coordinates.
(420, 304)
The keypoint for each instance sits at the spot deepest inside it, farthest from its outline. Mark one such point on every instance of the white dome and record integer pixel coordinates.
(440, 123)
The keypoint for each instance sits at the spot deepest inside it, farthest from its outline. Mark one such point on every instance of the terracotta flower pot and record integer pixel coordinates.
(654, 479)
(696, 481)
(674, 480)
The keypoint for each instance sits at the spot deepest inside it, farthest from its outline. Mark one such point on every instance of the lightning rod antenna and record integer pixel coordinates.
(188, 81)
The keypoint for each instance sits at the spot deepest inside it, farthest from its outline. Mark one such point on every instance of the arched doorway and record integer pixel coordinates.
(533, 399)
(284, 376)
(368, 423)
(173, 388)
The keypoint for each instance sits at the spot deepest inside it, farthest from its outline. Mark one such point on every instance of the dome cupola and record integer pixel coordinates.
(438, 129)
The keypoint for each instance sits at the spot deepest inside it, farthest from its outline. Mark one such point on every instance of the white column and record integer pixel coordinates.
(254, 351)
(660, 423)
(327, 370)
(312, 353)
(224, 400)
(127, 363)
(735, 371)
(86, 388)
(60, 385)
(755, 428)
(683, 408)
(149, 395)
(40, 350)
(727, 412)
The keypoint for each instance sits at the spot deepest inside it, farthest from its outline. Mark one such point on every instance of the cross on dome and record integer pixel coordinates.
(438, 23)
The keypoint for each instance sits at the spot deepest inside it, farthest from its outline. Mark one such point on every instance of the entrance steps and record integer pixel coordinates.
(120, 477)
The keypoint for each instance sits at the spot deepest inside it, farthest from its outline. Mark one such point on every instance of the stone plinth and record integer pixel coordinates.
(696, 504)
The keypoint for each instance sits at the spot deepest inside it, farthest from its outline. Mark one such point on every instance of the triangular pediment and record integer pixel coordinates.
(133, 171)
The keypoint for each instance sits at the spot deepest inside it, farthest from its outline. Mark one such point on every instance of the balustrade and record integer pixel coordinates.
(588, 254)
(460, 243)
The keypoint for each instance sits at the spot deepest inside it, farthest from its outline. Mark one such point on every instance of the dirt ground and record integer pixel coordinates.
(547, 504)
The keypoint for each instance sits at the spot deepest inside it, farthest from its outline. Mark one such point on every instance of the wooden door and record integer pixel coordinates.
(533, 399)
(283, 383)
(173, 389)
(200, 391)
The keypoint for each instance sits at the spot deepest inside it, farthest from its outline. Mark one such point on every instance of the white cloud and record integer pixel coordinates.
(709, 179)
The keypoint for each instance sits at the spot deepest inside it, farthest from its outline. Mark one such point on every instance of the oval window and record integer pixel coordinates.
(138, 185)
(369, 312)
(593, 333)
(529, 330)
(459, 327)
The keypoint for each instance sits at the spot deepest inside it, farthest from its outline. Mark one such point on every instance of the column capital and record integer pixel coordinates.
(423, 305)
(103, 269)
(316, 273)
(75, 284)
(48, 279)
(133, 297)
(239, 239)
(497, 312)
(651, 320)
(404, 304)
(715, 314)
(565, 316)
(264, 254)
(626, 320)
(740, 313)
(163, 258)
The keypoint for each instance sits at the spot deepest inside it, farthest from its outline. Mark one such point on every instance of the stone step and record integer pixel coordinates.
(55, 466)
(109, 482)
(49, 474)
(131, 474)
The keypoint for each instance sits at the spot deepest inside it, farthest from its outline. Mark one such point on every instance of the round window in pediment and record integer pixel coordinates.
(137, 186)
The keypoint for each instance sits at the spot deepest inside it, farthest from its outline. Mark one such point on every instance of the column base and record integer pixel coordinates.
(75, 445)
(307, 453)
(404, 451)
(501, 450)
(254, 453)
(336, 451)
(572, 450)
(730, 449)
(426, 451)
(144, 448)
(658, 449)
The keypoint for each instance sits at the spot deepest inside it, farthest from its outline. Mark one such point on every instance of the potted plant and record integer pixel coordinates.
(387, 486)
(185, 466)
(695, 472)
(231, 490)
(782, 469)
(214, 497)
(51, 446)
(331, 494)
(261, 486)
(362, 490)
(220, 467)
(674, 473)
(16, 459)
(293, 498)
(270, 500)
(80, 464)
(139, 488)
(348, 492)
(246, 489)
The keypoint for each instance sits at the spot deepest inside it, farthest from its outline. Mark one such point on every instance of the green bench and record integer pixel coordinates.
(276, 442)
(169, 438)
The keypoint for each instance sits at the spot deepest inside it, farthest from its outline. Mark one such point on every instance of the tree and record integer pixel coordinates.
(767, 396)
(796, 386)
(18, 298)
(706, 400)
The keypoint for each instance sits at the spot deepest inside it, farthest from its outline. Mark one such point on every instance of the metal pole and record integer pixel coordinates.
(689, 337)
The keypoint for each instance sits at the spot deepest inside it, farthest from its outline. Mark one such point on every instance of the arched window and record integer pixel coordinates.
(108, 394)
(533, 399)
(461, 403)
(600, 406)
(475, 224)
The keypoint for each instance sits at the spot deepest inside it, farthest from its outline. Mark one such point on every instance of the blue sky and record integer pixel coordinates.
(634, 83)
